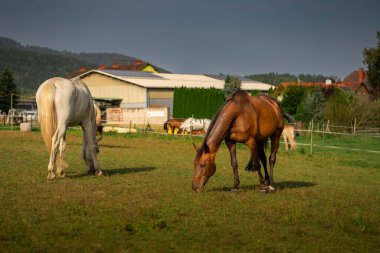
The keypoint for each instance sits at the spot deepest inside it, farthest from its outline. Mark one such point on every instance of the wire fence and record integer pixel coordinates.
(327, 130)
(313, 133)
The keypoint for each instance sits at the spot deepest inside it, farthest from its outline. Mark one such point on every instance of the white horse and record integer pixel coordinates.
(192, 124)
(62, 103)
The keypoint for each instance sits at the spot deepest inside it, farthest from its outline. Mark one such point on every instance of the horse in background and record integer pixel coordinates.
(192, 124)
(243, 119)
(63, 103)
(98, 121)
(172, 124)
(288, 136)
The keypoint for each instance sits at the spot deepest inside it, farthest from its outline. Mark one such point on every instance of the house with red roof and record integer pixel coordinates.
(356, 82)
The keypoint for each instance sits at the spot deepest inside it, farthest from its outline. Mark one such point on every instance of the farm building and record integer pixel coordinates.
(356, 82)
(138, 65)
(139, 89)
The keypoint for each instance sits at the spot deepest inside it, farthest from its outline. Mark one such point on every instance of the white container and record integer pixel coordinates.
(26, 127)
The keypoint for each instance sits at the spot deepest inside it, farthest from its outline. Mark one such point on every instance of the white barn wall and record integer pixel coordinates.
(100, 86)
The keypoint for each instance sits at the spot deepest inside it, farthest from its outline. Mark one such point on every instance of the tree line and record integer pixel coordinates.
(276, 79)
(336, 105)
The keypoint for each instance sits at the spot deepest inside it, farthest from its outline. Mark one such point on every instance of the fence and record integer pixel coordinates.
(140, 116)
(16, 118)
(326, 129)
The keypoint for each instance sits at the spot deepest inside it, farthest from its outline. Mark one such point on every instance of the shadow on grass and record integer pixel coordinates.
(112, 146)
(278, 186)
(111, 172)
(118, 146)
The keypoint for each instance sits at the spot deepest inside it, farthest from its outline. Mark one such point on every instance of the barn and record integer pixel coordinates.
(139, 89)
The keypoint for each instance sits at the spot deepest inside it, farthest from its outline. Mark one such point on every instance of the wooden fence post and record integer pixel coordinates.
(311, 137)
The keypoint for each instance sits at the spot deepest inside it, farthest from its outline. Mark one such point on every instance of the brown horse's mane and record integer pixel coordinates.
(216, 117)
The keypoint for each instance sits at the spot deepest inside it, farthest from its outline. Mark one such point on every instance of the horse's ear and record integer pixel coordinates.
(195, 147)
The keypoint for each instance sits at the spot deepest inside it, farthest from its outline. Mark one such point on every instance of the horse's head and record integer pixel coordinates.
(204, 167)
(88, 154)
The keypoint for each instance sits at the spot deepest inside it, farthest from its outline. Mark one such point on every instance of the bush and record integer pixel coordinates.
(196, 102)
(311, 108)
(231, 85)
(292, 98)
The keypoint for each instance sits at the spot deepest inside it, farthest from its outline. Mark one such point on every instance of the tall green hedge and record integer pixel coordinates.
(196, 102)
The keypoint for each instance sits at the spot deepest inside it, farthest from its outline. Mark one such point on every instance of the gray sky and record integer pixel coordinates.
(203, 36)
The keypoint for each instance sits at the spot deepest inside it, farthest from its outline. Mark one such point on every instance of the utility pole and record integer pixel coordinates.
(12, 113)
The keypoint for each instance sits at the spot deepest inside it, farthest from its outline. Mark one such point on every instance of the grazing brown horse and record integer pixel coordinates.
(244, 119)
(173, 124)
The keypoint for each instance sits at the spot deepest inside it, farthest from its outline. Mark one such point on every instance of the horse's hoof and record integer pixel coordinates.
(235, 190)
(51, 176)
(62, 175)
(99, 173)
(270, 188)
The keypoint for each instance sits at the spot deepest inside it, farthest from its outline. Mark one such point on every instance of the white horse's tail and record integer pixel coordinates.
(48, 117)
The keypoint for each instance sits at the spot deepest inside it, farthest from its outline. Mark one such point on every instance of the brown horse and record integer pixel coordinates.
(244, 119)
(173, 124)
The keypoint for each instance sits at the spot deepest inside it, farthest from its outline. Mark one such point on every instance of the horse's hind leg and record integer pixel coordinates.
(263, 159)
(232, 148)
(56, 141)
(62, 164)
(275, 143)
(286, 141)
(254, 163)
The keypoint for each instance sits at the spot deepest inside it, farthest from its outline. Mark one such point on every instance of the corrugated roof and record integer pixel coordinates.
(166, 80)
(128, 73)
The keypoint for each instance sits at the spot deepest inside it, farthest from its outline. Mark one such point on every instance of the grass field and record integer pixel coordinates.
(328, 202)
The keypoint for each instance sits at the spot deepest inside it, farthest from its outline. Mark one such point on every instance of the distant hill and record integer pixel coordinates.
(31, 65)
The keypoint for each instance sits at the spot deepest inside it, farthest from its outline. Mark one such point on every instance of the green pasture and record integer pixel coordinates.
(327, 202)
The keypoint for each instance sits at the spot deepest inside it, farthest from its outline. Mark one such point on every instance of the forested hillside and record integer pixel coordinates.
(31, 65)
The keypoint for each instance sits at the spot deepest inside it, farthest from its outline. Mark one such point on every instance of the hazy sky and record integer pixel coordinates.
(203, 36)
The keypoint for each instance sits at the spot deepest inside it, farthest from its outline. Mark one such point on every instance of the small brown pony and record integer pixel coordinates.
(244, 119)
(173, 124)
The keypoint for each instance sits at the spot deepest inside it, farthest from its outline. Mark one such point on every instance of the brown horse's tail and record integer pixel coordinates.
(166, 125)
(292, 121)
(47, 115)
(290, 118)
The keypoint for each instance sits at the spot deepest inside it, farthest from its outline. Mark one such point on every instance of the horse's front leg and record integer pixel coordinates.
(90, 149)
(232, 148)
